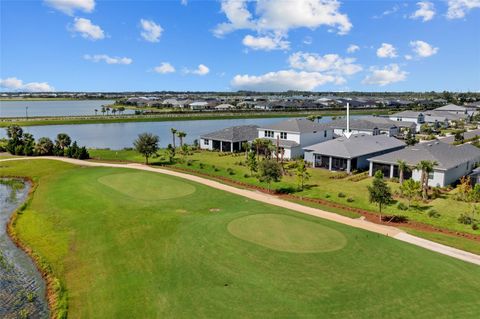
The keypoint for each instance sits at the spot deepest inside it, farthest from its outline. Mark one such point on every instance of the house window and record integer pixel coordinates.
(206, 142)
(268, 133)
(324, 133)
(430, 175)
(283, 135)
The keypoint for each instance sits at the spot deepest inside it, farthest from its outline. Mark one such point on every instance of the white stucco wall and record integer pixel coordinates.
(203, 146)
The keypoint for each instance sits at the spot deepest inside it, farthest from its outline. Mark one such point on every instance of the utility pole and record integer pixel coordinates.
(26, 112)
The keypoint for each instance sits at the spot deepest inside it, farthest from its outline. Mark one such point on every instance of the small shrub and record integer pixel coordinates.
(395, 218)
(327, 195)
(341, 195)
(201, 165)
(350, 200)
(402, 206)
(246, 175)
(189, 163)
(474, 226)
(285, 190)
(432, 213)
(394, 180)
(465, 219)
(230, 171)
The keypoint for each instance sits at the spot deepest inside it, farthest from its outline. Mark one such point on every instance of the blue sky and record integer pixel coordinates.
(88, 45)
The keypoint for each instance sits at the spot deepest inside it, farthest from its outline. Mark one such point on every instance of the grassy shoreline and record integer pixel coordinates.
(100, 119)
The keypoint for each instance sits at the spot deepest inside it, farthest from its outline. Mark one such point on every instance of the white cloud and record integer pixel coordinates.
(426, 11)
(352, 48)
(266, 43)
(307, 40)
(408, 57)
(389, 74)
(87, 29)
(151, 31)
(394, 9)
(164, 68)
(14, 84)
(423, 49)
(280, 16)
(386, 50)
(328, 63)
(202, 69)
(283, 80)
(70, 6)
(107, 59)
(184, 2)
(457, 9)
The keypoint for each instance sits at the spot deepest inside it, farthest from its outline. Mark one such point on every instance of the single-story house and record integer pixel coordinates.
(200, 105)
(294, 134)
(409, 116)
(229, 139)
(453, 161)
(370, 125)
(348, 154)
(224, 107)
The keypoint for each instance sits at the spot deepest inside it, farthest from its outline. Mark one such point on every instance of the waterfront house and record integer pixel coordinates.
(294, 134)
(349, 154)
(370, 125)
(229, 139)
(409, 116)
(453, 161)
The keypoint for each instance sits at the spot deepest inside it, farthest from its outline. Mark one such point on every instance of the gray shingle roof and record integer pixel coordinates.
(447, 156)
(355, 146)
(451, 107)
(409, 114)
(296, 126)
(364, 123)
(234, 134)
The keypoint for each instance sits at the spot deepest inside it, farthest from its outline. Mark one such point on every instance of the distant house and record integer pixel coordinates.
(370, 125)
(229, 139)
(453, 161)
(457, 109)
(224, 107)
(293, 134)
(409, 116)
(348, 154)
(201, 105)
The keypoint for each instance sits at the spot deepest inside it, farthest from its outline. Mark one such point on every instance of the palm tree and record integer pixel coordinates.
(96, 111)
(103, 110)
(181, 135)
(63, 141)
(121, 109)
(174, 131)
(426, 167)
(402, 168)
(318, 117)
(114, 111)
(108, 110)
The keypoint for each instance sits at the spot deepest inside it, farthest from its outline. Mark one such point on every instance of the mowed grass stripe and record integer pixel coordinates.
(125, 257)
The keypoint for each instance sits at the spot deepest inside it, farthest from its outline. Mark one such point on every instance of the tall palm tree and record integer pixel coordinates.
(114, 111)
(181, 135)
(63, 141)
(96, 111)
(174, 131)
(426, 167)
(103, 110)
(246, 146)
(108, 110)
(402, 168)
(318, 117)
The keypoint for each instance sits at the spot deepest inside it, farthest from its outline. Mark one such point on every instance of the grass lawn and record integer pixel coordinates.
(130, 244)
(319, 186)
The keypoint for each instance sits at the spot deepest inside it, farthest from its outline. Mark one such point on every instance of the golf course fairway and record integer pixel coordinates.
(129, 244)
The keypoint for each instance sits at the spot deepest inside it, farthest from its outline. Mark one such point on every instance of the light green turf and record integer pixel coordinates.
(144, 186)
(125, 257)
(287, 233)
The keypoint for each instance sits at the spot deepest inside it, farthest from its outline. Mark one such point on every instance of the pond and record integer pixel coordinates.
(53, 108)
(120, 135)
(22, 289)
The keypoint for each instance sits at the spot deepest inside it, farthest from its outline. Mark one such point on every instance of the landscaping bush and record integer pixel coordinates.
(246, 175)
(327, 195)
(340, 175)
(285, 190)
(465, 219)
(432, 213)
(230, 171)
(350, 200)
(201, 165)
(341, 195)
(189, 163)
(402, 206)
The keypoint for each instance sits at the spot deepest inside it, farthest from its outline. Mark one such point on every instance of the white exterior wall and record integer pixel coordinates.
(454, 174)
(406, 119)
(203, 146)
(307, 139)
(309, 157)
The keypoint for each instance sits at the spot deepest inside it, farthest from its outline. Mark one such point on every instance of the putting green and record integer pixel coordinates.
(286, 233)
(144, 186)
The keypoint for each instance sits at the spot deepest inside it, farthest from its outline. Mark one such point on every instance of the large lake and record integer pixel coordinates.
(52, 108)
(120, 135)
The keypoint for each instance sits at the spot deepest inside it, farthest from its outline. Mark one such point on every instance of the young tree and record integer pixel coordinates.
(44, 146)
(246, 147)
(96, 111)
(302, 173)
(410, 189)
(379, 192)
(181, 135)
(174, 132)
(170, 153)
(121, 109)
(28, 144)
(147, 145)
(269, 171)
(252, 162)
(410, 138)
(311, 118)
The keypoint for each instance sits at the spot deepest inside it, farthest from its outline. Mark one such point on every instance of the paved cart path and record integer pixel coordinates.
(273, 200)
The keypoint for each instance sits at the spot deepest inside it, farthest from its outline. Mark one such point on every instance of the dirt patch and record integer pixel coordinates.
(214, 210)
